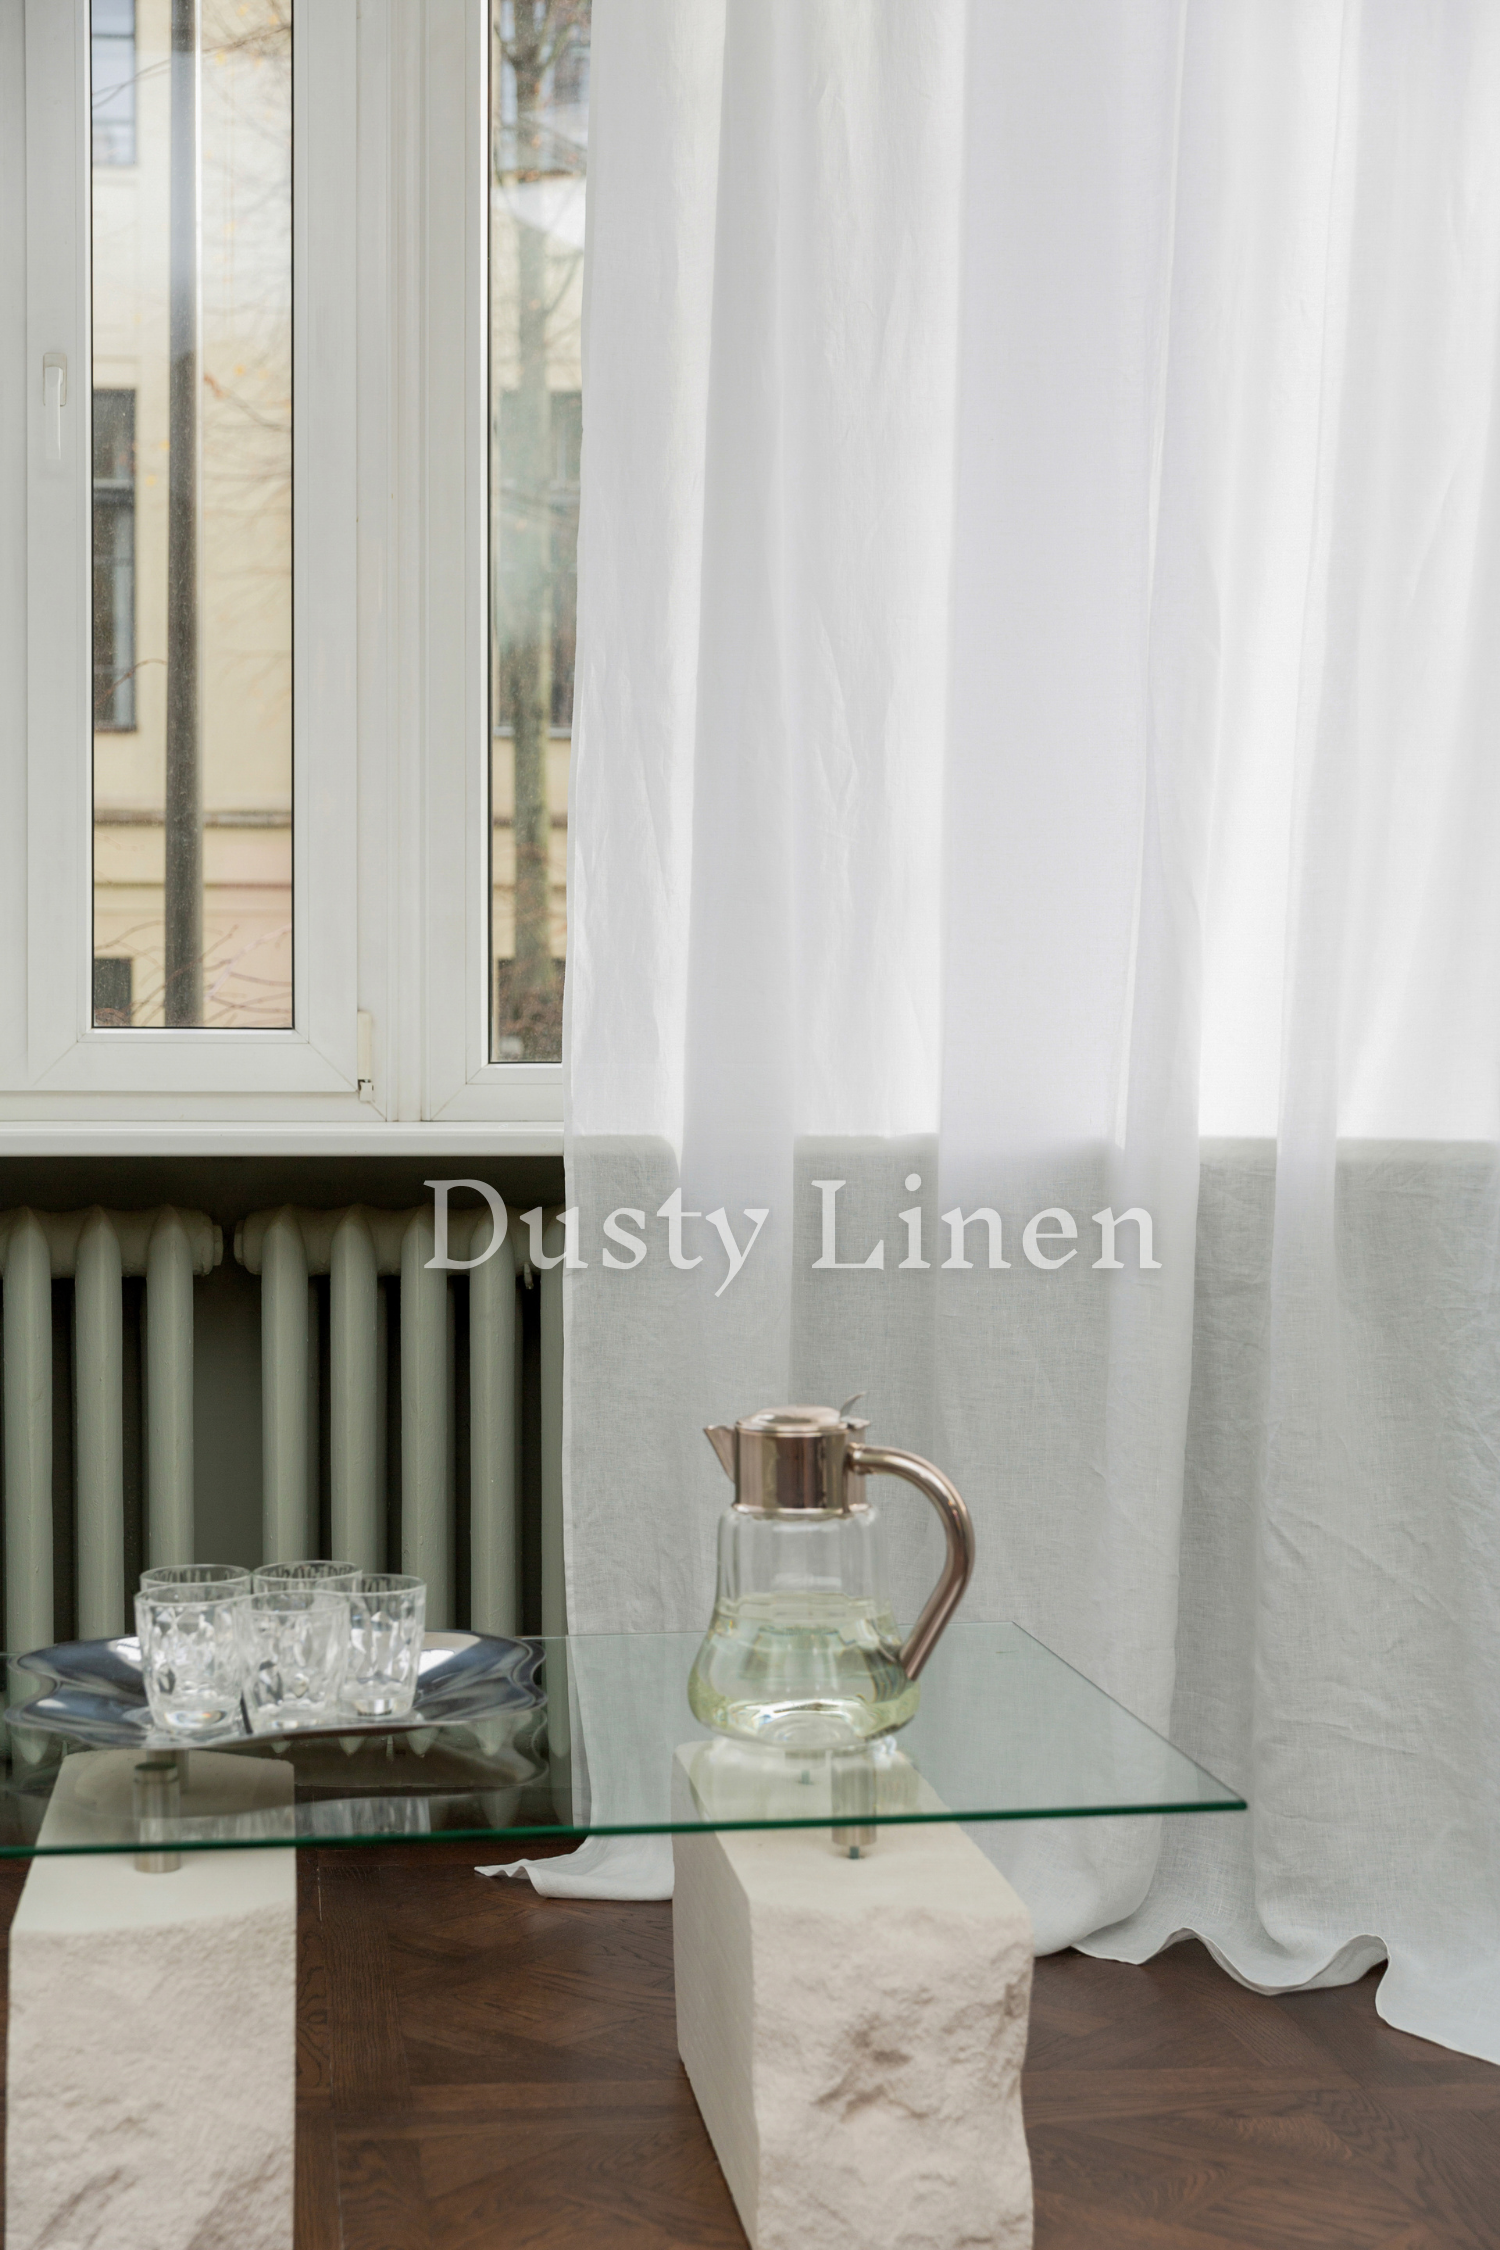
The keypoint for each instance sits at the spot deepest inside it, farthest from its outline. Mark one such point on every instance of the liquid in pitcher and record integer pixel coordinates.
(802, 1670)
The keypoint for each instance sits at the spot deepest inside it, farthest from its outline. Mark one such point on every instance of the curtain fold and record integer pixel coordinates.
(1035, 734)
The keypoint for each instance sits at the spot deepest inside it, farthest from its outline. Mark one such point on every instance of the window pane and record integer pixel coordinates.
(113, 58)
(114, 561)
(192, 517)
(538, 145)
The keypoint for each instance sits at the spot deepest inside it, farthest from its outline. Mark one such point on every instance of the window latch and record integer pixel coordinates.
(54, 399)
(365, 1042)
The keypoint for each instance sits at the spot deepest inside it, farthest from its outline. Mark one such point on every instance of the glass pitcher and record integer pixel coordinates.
(803, 1651)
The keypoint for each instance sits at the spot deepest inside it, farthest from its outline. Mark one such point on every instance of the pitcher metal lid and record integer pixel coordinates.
(790, 1459)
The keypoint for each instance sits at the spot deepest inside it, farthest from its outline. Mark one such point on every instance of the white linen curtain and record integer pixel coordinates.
(1037, 717)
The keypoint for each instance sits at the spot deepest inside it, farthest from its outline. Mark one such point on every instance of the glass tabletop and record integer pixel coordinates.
(571, 1737)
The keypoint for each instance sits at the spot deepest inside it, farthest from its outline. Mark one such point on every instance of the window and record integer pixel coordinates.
(114, 562)
(192, 609)
(334, 222)
(113, 60)
(538, 150)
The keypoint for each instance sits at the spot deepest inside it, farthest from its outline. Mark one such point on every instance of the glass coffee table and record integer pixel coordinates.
(579, 1737)
(830, 1914)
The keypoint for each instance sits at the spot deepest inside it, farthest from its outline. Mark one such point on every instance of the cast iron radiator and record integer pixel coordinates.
(354, 1247)
(96, 1249)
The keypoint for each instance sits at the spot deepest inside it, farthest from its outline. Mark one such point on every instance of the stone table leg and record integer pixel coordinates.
(854, 2031)
(151, 2075)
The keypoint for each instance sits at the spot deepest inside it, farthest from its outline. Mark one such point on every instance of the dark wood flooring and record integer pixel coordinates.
(481, 2067)
(1166, 2106)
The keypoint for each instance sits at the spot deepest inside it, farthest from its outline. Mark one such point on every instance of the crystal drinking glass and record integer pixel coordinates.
(294, 1645)
(305, 1577)
(386, 1614)
(190, 1661)
(218, 1581)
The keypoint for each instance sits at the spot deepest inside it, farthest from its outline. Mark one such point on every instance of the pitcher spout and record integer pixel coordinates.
(722, 1438)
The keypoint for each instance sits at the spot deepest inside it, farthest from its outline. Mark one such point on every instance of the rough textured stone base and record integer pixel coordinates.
(854, 2032)
(152, 2047)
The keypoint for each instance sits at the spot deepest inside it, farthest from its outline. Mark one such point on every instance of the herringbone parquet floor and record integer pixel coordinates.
(484, 2067)
(481, 2069)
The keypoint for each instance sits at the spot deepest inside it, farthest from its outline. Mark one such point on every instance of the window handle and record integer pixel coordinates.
(54, 399)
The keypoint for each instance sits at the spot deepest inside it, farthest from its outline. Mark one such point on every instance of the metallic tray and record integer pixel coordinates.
(91, 1692)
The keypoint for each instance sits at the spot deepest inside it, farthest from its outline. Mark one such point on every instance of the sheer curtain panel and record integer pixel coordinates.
(1035, 754)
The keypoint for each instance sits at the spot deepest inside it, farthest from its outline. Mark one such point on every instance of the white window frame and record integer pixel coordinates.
(390, 698)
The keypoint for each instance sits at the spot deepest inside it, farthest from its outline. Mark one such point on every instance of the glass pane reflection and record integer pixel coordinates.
(538, 151)
(192, 512)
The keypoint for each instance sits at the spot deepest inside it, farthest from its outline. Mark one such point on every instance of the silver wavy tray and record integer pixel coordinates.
(91, 1691)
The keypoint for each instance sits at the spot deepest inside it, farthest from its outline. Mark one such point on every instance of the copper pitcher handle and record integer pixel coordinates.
(885, 1461)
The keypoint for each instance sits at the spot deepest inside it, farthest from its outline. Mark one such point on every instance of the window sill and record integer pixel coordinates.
(226, 1136)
